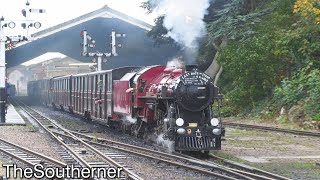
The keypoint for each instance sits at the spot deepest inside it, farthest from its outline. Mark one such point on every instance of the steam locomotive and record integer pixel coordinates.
(175, 103)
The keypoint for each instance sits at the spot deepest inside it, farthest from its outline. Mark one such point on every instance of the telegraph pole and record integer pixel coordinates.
(98, 55)
(26, 24)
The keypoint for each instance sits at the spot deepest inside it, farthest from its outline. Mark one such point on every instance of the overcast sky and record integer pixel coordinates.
(58, 11)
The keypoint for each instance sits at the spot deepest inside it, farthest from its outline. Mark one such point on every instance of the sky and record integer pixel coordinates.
(59, 11)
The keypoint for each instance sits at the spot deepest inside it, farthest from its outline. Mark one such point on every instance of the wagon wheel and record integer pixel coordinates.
(125, 128)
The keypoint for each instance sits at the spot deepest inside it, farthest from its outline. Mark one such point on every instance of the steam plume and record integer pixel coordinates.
(176, 62)
(130, 120)
(165, 143)
(184, 19)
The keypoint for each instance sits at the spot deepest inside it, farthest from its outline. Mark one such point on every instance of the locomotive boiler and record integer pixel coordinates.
(174, 103)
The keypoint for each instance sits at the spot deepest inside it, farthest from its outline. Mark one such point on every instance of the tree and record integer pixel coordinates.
(234, 21)
(281, 46)
(227, 19)
(309, 9)
(158, 32)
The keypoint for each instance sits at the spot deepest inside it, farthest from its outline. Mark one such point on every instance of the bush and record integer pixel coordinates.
(304, 86)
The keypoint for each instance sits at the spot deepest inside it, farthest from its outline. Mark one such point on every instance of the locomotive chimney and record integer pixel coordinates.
(191, 67)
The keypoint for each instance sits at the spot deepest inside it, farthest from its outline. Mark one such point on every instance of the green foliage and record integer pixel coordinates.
(235, 21)
(281, 46)
(304, 86)
(251, 70)
(308, 9)
(268, 46)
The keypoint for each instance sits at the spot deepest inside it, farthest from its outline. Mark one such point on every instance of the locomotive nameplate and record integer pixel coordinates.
(195, 78)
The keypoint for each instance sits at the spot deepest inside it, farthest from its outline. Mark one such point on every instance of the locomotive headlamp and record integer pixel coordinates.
(216, 132)
(179, 122)
(214, 122)
(181, 131)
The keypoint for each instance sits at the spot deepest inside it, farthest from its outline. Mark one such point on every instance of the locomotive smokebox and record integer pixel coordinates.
(194, 91)
(191, 67)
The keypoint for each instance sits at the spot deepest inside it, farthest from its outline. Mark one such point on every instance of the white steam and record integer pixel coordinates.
(17, 77)
(165, 143)
(130, 120)
(127, 119)
(184, 19)
(176, 62)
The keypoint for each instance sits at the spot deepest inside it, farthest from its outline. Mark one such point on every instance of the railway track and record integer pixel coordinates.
(234, 169)
(27, 156)
(195, 165)
(83, 154)
(205, 167)
(246, 168)
(249, 126)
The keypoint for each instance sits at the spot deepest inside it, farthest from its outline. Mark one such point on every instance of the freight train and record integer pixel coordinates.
(175, 103)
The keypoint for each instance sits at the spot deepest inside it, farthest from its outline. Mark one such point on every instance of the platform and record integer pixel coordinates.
(12, 117)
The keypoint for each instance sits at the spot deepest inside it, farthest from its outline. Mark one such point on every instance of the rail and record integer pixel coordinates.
(250, 126)
(80, 149)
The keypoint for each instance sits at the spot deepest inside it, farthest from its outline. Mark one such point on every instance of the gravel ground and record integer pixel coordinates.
(285, 154)
(279, 153)
(25, 136)
(146, 168)
(6, 160)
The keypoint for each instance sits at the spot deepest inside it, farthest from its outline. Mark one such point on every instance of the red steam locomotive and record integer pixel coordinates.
(174, 103)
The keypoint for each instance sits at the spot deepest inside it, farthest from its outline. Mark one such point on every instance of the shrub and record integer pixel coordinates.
(304, 86)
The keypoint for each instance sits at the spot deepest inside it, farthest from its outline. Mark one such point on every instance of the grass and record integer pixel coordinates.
(277, 142)
(235, 136)
(282, 122)
(237, 132)
(296, 170)
(228, 156)
(95, 139)
(272, 139)
(30, 126)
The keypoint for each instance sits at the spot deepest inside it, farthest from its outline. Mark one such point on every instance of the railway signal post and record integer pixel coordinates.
(6, 42)
(88, 42)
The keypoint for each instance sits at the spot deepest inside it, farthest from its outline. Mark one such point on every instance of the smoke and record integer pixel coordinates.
(130, 120)
(127, 119)
(15, 77)
(176, 62)
(165, 143)
(184, 19)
